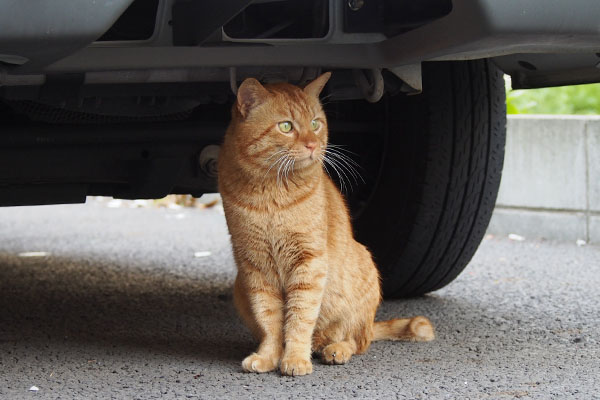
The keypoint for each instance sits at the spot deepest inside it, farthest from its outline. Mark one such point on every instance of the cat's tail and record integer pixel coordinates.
(416, 329)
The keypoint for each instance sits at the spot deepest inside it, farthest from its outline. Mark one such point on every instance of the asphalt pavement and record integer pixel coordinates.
(135, 303)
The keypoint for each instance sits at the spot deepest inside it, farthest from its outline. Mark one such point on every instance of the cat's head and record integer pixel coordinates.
(281, 126)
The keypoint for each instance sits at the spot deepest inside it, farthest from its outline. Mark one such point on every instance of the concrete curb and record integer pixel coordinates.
(551, 180)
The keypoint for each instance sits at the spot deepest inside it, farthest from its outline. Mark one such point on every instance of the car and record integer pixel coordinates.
(130, 99)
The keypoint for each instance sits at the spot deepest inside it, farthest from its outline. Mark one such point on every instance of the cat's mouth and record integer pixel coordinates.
(304, 162)
(307, 158)
(288, 161)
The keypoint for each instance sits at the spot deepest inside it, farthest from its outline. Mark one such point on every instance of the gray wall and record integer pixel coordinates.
(551, 181)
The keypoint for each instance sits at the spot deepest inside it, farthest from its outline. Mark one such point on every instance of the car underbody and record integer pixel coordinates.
(148, 83)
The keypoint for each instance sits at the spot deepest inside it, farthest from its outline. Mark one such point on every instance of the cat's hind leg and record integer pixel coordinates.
(344, 342)
(339, 352)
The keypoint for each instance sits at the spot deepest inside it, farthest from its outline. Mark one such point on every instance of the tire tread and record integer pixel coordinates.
(457, 192)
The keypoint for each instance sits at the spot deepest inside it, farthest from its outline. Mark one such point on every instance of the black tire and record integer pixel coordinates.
(438, 179)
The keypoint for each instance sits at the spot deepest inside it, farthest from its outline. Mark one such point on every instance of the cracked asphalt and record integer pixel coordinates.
(100, 302)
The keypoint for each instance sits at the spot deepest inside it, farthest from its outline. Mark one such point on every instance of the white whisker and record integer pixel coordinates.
(348, 164)
(286, 169)
(274, 154)
(340, 147)
(330, 162)
(293, 164)
(280, 167)
(343, 171)
(275, 163)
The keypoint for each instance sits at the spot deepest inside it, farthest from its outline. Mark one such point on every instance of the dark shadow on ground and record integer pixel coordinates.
(154, 309)
(60, 299)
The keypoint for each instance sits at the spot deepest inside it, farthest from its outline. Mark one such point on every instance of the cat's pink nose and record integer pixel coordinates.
(311, 145)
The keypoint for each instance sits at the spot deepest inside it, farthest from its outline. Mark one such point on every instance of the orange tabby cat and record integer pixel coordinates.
(303, 284)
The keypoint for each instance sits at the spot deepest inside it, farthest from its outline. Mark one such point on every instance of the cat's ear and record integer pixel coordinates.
(250, 94)
(315, 87)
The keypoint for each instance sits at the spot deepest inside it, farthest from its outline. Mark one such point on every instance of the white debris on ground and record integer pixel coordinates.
(580, 242)
(173, 202)
(515, 237)
(199, 254)
(114, 203)
(34, 389)
(141, 203)
(34, 254)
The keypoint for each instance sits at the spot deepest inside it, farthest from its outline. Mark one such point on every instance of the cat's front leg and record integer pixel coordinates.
(260, 304)
(304, 293)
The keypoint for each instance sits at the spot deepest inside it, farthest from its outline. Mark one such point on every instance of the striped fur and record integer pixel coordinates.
(304, 284)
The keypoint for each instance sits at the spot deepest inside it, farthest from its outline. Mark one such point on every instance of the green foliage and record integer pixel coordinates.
(579, 99)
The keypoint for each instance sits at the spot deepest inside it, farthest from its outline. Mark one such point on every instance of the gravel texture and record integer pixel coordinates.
(101, 302)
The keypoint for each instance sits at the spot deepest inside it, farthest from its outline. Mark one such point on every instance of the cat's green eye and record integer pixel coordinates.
(314, 124)
(285, 126)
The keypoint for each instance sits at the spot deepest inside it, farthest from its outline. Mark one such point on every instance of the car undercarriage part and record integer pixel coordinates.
(411, 77)
(233, 84)
(296, 19)
(138, 22)
(118, 96)
(48, 163)
(168, 95)
(35, 34)
(158, 35)
(370, 83)
(208, 160)
(174, 41)
(194, 22)
(185, 34)
(129, 161)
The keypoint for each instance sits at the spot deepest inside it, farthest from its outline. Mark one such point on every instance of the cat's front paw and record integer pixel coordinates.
(257, 363)
(294, 366)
